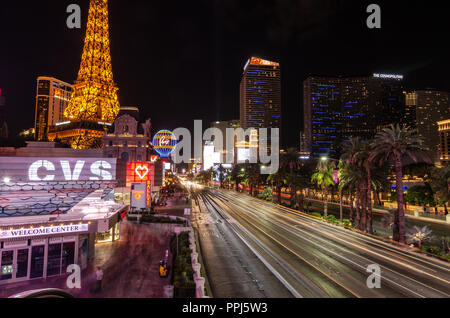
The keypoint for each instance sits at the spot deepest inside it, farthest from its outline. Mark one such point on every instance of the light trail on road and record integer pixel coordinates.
(323, 260)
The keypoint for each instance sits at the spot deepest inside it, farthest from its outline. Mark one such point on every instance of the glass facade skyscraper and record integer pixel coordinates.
(336, 109)
(260, 95)
(52, 98)
(430, 106)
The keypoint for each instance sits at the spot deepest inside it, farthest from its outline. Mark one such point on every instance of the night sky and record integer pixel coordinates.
(183, 60)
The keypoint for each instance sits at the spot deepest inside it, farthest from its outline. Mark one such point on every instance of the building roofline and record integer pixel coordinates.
(53, 79)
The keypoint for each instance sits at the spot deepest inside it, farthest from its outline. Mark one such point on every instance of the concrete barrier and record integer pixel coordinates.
(169, 291)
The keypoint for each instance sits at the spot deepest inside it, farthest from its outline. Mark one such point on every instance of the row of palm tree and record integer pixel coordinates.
(364, 171)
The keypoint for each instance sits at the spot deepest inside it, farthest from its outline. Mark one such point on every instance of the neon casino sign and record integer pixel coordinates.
(138, 172)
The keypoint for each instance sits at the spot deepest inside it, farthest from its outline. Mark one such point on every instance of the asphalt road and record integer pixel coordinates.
(315, 259)
(232, 269)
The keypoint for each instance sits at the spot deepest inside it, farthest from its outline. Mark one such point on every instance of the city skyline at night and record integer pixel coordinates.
(259, 154)
(210, 40)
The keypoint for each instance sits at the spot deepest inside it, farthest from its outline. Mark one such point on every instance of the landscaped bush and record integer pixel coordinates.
(317, 215)
(331, 219)
(436, 251)
(183, 274)
(432, 250)
(266, 195)
(162, 220)
(346, 222)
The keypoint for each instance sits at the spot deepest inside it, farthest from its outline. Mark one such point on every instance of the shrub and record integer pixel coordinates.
(432, 250)
(346, 222)
(317, 215)
(183, 274)
(331, 219)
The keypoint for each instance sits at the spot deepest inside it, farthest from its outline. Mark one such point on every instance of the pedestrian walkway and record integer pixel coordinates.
(408, 213)
(175, 206)
(131, 267)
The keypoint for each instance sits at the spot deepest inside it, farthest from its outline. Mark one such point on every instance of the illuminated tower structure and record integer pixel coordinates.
(94, 104)
(260, 96)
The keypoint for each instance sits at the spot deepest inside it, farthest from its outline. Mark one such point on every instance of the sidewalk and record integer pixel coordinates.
(130, 266)
(175, 206)
(408, 213)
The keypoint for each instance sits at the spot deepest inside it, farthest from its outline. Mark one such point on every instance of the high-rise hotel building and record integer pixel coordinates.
(444, 136)
(260, 96)
(431, 106)
(52, 98)
(338, 108)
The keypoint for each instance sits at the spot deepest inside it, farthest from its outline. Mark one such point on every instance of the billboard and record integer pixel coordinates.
(32, 169)
(138, 172)
(243, 154)
(210, 157)
(140, 195)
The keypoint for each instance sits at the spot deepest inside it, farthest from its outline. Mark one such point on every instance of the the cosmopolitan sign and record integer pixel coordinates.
(43, 231)
(24, 169)
(389, 76)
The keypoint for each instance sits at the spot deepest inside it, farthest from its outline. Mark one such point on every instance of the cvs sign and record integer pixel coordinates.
(58, 169)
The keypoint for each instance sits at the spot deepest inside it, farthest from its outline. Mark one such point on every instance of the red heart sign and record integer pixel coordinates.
(142, 171)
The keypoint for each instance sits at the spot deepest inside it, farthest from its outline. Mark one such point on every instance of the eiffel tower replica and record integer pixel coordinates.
(94, 104)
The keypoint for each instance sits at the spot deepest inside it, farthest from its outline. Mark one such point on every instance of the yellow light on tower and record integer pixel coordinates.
(94, 98)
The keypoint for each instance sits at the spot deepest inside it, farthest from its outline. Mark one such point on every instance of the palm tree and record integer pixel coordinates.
(253, 177)
(323, 178)
(221, 174)
(237, 175)
(290, 160)
(396, 145)
(354, 177)
(440, 184)
(419, 235)
(347, 181)
(365, 162)
(278, 179)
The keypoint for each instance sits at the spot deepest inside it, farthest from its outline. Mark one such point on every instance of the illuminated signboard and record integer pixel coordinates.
(243, 154)
(139, 195)
(149, 193)
(138, 172)
(28, 169)
(43, 231)
(391, 76)
(210, 157)
(58, 93)
(154, 158)
(258, 61)
(164, 143)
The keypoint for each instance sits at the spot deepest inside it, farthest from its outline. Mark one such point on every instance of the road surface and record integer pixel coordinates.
(316, 259)
(232, 269)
